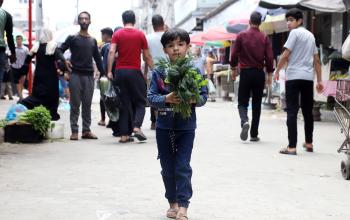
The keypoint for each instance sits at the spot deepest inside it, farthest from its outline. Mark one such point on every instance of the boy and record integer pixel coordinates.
(174, 134)
(301, 54)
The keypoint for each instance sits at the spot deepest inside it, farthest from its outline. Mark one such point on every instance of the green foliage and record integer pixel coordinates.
(185, 81)
(3, 123)
(39, 117)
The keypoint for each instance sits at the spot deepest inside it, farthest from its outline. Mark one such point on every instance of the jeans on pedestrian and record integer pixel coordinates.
(81, 87)
(251, 83)
(299, 93)
(133, 91)
(3, 61)
(174, 151)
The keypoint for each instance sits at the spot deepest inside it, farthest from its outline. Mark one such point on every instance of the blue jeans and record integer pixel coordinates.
(2, 66)
(174, 151)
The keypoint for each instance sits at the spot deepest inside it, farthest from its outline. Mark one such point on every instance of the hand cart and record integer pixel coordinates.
(342, 113)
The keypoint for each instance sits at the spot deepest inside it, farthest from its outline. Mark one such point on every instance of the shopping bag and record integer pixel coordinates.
(211, 87)
(103, 82)
(112, 101)
(345, 49)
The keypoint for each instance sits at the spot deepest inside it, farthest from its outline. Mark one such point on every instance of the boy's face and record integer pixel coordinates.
(19, 41)
(176, 48)
(292, 23)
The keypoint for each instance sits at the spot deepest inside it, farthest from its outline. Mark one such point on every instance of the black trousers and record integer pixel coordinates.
(299, 93)
(133, 93)
(103, 110)
(251, 83)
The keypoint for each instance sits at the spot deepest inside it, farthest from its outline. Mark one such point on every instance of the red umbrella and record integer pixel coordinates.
(217, 34)
(197, 39)
(237, 25)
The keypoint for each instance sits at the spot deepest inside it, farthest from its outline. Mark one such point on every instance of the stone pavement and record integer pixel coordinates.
(104, 180)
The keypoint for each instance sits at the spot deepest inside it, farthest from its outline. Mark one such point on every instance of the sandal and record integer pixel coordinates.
(286, 151)
(171, 213)
(88, 135)
(181, 216)
(308, 149)
(140, 136)
(130, 139)
(101, 123)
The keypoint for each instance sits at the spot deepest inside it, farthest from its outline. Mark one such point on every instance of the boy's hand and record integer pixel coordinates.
(319, 87)
(172, 98)
(276, 76)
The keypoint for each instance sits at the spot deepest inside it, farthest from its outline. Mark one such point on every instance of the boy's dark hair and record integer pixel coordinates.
(157, 21)
(173, 34)
(255, 18)
(84, 12)
(117, 28)
(294, 13)
(19, 36)
(128, 17)
(107, 31)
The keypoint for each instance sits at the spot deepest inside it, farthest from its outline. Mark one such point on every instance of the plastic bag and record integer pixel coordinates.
(211, 87)
(112, 102)
(104, 82)
(345, 49)
(15, 111)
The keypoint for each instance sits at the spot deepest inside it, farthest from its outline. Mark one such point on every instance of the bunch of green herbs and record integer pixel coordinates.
(39, 117)
(183, 79)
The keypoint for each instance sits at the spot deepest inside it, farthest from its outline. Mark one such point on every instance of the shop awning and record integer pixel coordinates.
(318, 5)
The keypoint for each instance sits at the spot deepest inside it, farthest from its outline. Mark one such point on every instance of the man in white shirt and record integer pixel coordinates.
(302, 57)
(18, 70)
(156, 51)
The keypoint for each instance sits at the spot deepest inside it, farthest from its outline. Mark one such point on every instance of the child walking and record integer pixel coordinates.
(174, 134)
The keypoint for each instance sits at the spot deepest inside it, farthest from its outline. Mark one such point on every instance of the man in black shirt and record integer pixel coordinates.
(83, 48)
(5, 26)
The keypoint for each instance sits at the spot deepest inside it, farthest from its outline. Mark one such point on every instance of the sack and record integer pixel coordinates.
(211, 87)
(345, 49)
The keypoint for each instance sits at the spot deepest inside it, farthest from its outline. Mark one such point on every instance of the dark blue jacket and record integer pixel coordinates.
(167, 119)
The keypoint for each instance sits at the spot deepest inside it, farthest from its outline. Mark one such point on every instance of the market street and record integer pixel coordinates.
(106, 180)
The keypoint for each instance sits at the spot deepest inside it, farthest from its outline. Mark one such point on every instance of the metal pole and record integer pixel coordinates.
(30, 28)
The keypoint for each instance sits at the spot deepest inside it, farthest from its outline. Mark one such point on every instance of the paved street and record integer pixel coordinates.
(105, 180)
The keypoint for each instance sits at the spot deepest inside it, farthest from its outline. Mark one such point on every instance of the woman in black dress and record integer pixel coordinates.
(45, 85)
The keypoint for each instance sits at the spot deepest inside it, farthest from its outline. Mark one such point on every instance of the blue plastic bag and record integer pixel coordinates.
(14, 111)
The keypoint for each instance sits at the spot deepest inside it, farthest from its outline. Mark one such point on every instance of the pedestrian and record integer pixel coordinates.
(6, 85)
(19, 72)
(106, 35)
(46, 78)
(198, 60)
(157, 52)
(6, 26)
(83, 49)
(301, 56)
(128, 76)
(252, 52)
(211, 59)
(174, 134)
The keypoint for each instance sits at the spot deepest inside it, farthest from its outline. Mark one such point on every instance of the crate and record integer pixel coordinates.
(21, 133)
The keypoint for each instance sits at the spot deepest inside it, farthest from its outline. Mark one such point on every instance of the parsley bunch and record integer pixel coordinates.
(185, 81)
(39, 117)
